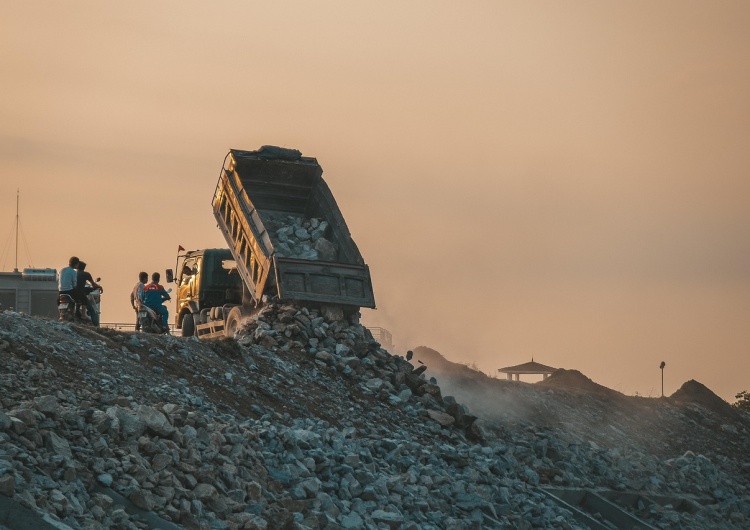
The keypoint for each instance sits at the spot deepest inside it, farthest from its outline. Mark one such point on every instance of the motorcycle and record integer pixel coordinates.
(94, 297)
(70, 310)
(150, 320)
(66, 307)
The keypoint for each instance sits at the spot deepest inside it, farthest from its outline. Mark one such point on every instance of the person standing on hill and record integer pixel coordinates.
(66, 283)
(82, 292)
(154, 297)
(136, 296)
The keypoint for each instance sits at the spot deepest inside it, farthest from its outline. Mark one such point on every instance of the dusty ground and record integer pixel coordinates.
(565, 432)
(692, 419)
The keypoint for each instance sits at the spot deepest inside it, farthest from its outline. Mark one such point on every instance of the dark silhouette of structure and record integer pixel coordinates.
(530, 368)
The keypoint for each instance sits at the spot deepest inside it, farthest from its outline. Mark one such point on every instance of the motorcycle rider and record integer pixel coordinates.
(154, 295)
(136, 296)
(82, 292)
(66, 283)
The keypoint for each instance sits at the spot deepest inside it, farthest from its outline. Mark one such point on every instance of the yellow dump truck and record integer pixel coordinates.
(288, 241)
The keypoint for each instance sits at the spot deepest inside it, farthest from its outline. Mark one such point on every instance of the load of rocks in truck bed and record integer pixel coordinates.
(300, 238)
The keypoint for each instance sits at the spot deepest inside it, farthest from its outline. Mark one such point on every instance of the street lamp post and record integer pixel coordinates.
(662, 365)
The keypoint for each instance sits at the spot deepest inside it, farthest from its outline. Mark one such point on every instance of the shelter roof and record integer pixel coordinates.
(528, 368)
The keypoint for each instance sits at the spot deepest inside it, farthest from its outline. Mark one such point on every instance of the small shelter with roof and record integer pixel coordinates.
(532, 368)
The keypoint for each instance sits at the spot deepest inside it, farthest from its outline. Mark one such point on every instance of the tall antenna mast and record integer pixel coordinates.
(18, 198)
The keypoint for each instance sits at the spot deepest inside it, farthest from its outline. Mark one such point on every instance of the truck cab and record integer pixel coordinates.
(205, 279)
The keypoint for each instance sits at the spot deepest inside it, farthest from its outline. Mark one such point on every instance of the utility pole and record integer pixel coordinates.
(662, 365)
(18, 198)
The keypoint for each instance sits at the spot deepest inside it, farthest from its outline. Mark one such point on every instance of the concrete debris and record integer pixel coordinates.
(300, 238)
(318, 427)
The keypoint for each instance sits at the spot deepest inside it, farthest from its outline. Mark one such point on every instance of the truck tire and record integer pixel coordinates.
(232, 324)
(188, 325)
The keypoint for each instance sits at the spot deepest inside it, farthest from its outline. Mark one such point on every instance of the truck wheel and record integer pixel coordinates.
(188, 325)
(232, 323)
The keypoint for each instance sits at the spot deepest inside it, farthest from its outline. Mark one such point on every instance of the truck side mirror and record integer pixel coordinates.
(170, 275)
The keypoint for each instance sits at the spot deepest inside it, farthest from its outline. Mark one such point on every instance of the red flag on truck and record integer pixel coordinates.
(179, 248)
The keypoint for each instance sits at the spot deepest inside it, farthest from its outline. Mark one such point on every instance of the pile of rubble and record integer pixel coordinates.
(346, 346)
(685, 459)
(302, 422)
(300, 238)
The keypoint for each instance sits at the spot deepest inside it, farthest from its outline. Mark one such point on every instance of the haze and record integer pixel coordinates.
(563, 180)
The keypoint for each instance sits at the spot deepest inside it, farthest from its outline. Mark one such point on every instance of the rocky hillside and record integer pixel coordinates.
(581, 411)
(303, 421)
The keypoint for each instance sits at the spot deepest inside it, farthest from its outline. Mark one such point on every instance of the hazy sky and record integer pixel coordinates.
(563, 180)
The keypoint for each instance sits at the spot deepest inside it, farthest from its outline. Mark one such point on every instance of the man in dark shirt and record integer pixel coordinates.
(82, 291)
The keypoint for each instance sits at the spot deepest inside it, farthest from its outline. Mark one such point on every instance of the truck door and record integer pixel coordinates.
(187, 288)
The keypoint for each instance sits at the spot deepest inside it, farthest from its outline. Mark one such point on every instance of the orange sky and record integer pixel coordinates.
(563, 180)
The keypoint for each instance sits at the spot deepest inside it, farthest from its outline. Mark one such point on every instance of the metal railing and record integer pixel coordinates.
(119, 326)
(382, 335)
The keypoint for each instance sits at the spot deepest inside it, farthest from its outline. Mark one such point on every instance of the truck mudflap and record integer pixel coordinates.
(325, 282)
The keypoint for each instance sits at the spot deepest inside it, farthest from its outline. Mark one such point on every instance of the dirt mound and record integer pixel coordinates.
(431, 357)
(694, 392)
(574, 380)
(438, 365)
(305, 418)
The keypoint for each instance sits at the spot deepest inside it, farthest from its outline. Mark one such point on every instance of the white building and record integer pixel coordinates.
(33, 291)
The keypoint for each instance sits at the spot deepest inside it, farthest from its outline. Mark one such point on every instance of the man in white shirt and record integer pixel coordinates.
(136, 296)
(66, 283)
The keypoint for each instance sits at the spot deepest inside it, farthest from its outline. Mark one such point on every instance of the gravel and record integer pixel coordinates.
(304, 421)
